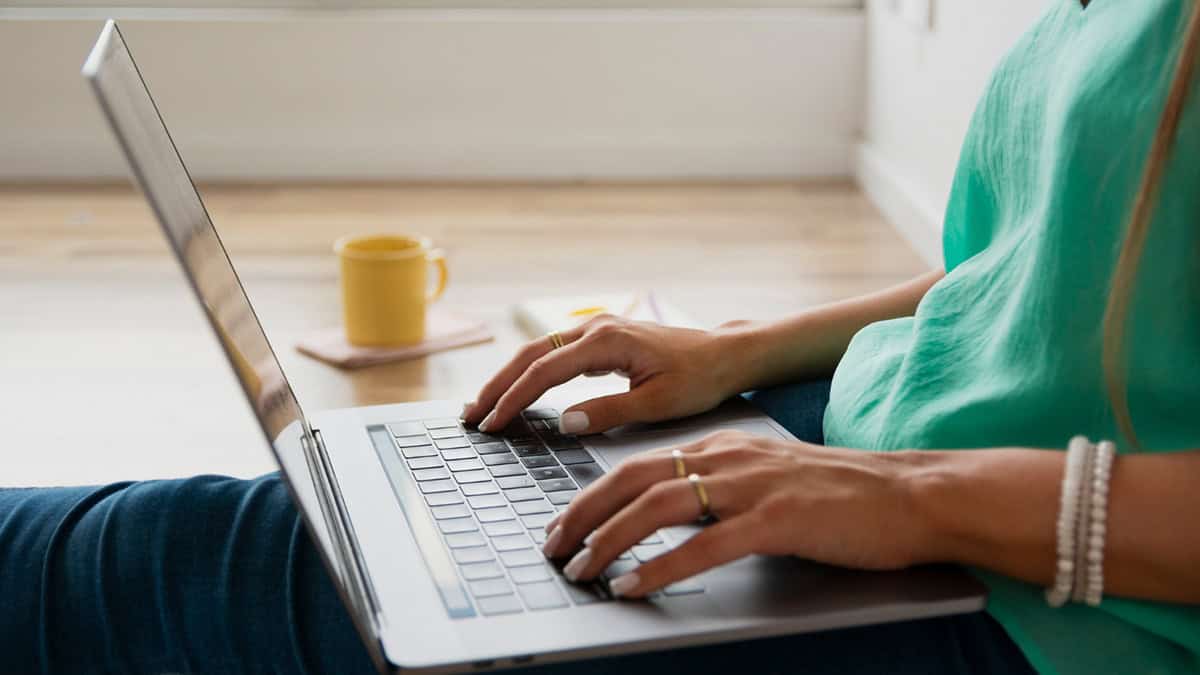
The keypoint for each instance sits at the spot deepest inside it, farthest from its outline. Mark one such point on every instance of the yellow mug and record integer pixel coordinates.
(385, 287)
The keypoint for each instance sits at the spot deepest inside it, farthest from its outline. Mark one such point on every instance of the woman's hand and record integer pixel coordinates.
(673, 372)
(773, 497)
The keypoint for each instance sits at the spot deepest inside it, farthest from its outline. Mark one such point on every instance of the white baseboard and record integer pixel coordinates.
(914, 214)
(531, 94)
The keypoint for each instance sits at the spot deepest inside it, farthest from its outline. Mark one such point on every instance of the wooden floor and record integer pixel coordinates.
(107, 371)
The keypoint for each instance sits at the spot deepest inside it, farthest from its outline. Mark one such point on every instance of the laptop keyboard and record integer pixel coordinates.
(489, 497)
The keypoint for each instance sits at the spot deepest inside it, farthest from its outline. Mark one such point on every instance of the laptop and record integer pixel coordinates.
(431, 530)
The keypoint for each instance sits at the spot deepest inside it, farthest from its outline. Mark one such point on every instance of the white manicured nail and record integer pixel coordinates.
(573, 422)
(623, 584)
(551, 544)
(553, 523)
(486, 424)
(577, 564)
(466, 409)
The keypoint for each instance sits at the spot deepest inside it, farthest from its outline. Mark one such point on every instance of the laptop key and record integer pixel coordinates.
(512, 542)
(549, 472)
(473, 554)
(443, 498)
(464, 465)
(538, 461)
(523, 494)
(499, 604)
(585, 594)
(474, 489)
(507, 470)
(542, 595)
(528, 508)
(646, 552)
(562, 497)
(497, 459)
(586, 473)
(556, 484)
(480, 437)
(493, 515)
(490, 448)
(406, 428)
(431, 474)
(480, 476)
(442, 424)
(450, 511)
(483, 570)
(537, 520)
(563, 444)
(510, 482)
(530, 574)
(452, 525)
(438, 486)
(457, 454)
(540, 414)
(618, 568)
(465, 539)
(425, 463)
(530, 451)
(487, 501)
(449, 443)
(445, 433)
(684, 587)
(418, 451)
(567, 457)
(652, 539)
(539, 536)
(489, 587)
(412, 441)
(503, 527)
(527, 556)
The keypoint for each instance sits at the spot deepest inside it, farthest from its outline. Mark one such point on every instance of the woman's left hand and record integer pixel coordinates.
(771, 497)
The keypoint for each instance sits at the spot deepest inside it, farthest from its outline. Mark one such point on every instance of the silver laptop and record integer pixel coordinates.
(431, 530)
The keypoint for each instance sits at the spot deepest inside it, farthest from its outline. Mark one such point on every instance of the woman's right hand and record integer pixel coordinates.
(672, 372)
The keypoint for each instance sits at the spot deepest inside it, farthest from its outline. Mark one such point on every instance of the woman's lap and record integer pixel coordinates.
(214, 574)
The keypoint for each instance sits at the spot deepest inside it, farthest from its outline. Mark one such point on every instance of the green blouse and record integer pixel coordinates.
(1005, 350)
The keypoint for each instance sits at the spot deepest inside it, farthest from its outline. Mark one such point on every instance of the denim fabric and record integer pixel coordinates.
(216, 575)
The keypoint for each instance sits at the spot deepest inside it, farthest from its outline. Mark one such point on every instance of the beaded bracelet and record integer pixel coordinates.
(1097, 522)
(1068, 511)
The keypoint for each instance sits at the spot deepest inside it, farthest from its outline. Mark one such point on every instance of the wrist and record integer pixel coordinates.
(741, 356)
(931, 483)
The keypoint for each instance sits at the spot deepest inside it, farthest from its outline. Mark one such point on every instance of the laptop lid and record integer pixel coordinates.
(159, 171)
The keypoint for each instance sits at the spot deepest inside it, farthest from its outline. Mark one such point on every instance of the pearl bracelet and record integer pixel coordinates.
(1082, 523)
(1068, 512)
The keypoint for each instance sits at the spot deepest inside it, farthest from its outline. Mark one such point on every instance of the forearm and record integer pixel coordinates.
(997, 509)
(811, 343)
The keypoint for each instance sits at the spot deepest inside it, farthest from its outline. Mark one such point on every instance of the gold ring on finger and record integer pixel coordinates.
(680, 468)
(701, 495)
(555, 339)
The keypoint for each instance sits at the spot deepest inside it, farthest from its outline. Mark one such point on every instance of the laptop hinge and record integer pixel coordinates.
(357, 583)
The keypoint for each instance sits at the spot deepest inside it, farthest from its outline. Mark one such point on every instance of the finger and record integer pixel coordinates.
(610, 493)
(671, 502)
(551, 369)
(504, 378)
(605, 412)
(715, 545)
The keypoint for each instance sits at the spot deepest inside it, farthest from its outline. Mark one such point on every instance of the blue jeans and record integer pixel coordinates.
(216, 575)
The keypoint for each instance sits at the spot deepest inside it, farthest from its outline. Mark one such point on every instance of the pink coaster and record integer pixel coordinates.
(443, 331)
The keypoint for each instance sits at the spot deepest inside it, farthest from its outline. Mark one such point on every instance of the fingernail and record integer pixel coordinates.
(573, 422)
(623, 584)
(578, 564)
(553, 523)
(466, 409)
(551, 544)
(486, 424)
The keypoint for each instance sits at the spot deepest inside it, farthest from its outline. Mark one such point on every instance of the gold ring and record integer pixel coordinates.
(701, 494)
(680, 467)
(555, 339)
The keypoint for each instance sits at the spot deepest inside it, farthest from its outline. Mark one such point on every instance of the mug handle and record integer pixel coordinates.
(438, 258)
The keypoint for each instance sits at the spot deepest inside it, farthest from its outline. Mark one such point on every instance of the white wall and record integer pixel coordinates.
(922, 86)
(451, 94)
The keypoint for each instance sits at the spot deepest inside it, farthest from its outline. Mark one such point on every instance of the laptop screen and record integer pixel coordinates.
(163, 178)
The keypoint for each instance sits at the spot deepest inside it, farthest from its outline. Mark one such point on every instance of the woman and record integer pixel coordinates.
(1066, 308)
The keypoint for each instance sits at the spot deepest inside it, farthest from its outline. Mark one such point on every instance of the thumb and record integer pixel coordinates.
(604, 413)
